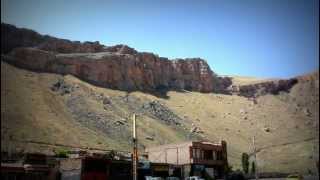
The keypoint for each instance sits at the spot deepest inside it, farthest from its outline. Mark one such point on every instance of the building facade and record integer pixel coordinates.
(196, 158)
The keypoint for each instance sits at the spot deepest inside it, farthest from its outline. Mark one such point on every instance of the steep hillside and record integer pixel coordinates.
(65, 110)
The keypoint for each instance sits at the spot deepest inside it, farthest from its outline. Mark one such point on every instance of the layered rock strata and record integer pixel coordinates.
(121, 67)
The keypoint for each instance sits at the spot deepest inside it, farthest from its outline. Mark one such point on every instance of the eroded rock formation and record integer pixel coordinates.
(142, 71)
(120, 67)
(270, 87)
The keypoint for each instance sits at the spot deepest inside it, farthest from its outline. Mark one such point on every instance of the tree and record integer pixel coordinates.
(61, 153)
(245, 162)
(253, 168)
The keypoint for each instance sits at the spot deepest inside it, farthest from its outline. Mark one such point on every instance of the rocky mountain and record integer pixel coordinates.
(83, 95)
(121, 67)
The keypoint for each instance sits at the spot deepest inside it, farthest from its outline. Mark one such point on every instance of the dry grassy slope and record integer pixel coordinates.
(245, 80)
(30, 110)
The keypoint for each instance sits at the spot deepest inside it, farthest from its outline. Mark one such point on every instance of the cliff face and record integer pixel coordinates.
(141, 71)
(120, 67)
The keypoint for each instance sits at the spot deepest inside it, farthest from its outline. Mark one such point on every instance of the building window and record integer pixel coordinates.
(208, 154)
(219, 155)
(196, 153)
(214, 155)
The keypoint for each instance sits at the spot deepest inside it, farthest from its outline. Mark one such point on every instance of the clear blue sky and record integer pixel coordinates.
(262, 38)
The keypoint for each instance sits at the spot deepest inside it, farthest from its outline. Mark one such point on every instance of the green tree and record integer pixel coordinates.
(245, 162)
(61, 153)
(253, 168)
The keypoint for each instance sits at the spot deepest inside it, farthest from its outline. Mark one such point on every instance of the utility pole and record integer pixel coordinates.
(255, 158)
(135, 149)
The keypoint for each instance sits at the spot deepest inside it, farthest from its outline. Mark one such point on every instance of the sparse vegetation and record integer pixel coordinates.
(49, 112)
(61, 153)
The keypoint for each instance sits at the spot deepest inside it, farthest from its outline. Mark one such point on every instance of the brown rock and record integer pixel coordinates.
(266, 129)
(269, 87)
(142, 71)
(106, 101)
(121, 49)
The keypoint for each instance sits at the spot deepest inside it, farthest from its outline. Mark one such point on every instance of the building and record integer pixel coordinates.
(195, 158)
(28, 167)
(76, 165)
(99, 166)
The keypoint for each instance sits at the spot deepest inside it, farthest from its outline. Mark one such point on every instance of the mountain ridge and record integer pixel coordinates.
(121, 67)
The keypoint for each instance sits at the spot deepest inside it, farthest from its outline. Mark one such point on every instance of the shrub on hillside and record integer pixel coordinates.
(61, 153)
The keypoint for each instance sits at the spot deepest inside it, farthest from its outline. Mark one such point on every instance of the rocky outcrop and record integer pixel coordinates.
(141, 71)
(260, 89)
(161, 112)
(222, 85)
(121, 49)
(121, 67)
